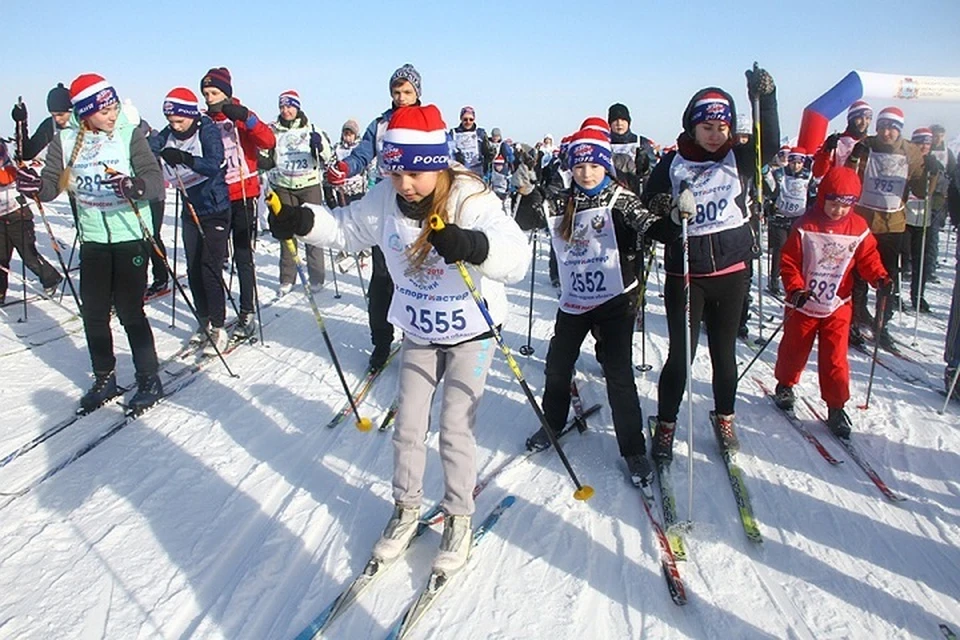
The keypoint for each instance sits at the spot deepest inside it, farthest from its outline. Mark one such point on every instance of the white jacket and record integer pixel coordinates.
(359, 225)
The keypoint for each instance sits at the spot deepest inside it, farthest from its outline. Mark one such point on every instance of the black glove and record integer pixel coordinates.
(884, 287)
(290, 221)
(830, 144)
(316, 143)
(799, 298)
(173, 157)
(19, 113)
(129, 187)
(660, 205)
(236, 112)
(265, 162)
(28, 181)
(931, 165)
(860, 152)
(759, 82)
(455, 244)
(458, 156)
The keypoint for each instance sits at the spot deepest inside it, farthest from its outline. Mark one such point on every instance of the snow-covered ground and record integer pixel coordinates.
(231, 511)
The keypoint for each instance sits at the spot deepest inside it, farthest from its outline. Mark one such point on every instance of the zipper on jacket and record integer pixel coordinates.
(103, 214)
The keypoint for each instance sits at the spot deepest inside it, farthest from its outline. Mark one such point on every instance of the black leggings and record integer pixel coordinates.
(717, 301)
(116, 275)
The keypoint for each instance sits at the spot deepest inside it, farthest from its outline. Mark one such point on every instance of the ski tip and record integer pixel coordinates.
(364, 425)
(509, 500)
(584, 493)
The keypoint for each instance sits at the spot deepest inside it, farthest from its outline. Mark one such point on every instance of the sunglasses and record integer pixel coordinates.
(466, 119)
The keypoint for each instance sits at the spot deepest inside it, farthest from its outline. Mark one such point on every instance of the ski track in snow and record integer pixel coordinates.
(231, 511)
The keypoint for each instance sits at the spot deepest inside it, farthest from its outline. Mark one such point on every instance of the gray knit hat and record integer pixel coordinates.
(351, 125)
(407, 72)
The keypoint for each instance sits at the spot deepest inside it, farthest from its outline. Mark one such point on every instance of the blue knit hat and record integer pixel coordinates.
(408, 73)
(416, 140)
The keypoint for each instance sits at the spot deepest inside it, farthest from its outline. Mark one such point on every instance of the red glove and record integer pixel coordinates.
(337, 173)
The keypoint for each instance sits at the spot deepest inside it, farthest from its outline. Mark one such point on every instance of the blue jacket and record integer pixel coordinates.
(364, 153)
(210, 196)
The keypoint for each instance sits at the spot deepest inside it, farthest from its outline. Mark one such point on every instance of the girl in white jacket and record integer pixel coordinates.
(445, 334)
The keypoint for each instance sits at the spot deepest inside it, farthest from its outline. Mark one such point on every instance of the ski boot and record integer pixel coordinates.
(149, 392)
(839, 423)
(662, 450)
(378, 359)
(640, 470)
(784, 397)
(539, 441)
(155, 289)
(246, 327)
(104, 387)
(723, 426)
(219, 344)
(398, 533)
(200, 335)
(454, 546)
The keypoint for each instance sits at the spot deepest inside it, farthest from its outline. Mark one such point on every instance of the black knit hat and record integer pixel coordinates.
(58, 100)
(618, 111)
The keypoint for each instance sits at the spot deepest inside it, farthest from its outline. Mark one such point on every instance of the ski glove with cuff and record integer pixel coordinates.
(931, 164)
(830, 144)
(131, 188)
(290, 221)
(28, 181)
(337, 173)
(759, 82)
(236, 112)
(455, 244)
(662, 205)
(174, 157)
(19, 113)
(316, 143)
(884, 287)
(799, 298)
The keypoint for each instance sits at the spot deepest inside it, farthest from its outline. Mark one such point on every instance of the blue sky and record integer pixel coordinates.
(527, 67)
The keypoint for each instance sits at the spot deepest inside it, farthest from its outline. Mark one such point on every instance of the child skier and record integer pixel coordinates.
(595, 225)
(113, 254)
(790, 197)
(825, 247)
(720, 246)
(445, 335)
(192, 153)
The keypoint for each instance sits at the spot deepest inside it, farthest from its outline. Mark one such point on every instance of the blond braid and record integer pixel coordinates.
(64, 181)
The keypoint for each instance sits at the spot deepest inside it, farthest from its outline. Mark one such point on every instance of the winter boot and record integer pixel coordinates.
(662, 450)
(885, 340)
(246, 326)
(723, 426)
(454, 546)
(948, 374)
(784, 397)
(149, 392)
(839, 423)
(285, 288)
(200, 335)
(378, 358)
(219, 335)
(861, 316)
(156, 289)
(641, 471)
(924, 306)
(104, 387)
(856, 338)
(398, 533)
(539, 441)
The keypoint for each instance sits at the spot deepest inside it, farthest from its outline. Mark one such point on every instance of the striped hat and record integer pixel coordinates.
(590, 145)
(218, 78)
(858, 109)
(181, 102)
(597, 124)
(290, 98)
(89, 93)
(923, 135)
(416, 140)
(797, 154)
(891, 118)
(712, 105)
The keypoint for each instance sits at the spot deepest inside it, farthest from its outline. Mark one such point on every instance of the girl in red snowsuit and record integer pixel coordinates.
(817, 263)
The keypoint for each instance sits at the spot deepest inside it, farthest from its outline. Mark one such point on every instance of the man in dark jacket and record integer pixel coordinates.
(633, 156)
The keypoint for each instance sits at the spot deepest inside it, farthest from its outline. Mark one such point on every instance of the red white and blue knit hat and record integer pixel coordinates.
(712, 105)
(923, 135)
(596, 123)
(590, 145)
(859, 108)
(416, 140)
(181, 102)
(797, 154)
(218, 78)
(290, 98)
(891, 118)
(89, 93)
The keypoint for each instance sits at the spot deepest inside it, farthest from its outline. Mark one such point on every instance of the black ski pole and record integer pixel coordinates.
(363, 287)
(527, 349)
(145, 230)
(642, 301)
(20, 133)
(877, 323)
(56, 249)
(73, 249)
(333, 270)
(176, 234)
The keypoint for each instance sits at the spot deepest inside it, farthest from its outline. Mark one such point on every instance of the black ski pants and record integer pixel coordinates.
(17, 233)
(243, 226)
(205, 257)
(156, 216)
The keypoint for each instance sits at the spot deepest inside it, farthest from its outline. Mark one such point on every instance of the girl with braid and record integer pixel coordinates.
(113, 251)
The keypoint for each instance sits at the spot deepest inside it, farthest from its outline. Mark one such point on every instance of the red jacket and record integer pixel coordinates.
(254, 135)
(866, 258)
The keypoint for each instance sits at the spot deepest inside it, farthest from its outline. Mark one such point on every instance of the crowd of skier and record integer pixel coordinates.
(443, 213)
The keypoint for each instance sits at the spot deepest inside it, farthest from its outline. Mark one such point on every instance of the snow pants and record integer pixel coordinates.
(951, 349)
(116, 275)
(243, 228)
(613, 325)
(205, 263)
(717, 302)
(464, 369)
(17, 233)
(314, 257)
(158, 268)
(833, 335)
